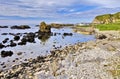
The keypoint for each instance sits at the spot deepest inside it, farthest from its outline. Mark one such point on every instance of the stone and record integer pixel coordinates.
(16, 38)
(1, 45)
(20, 27)
(6, 53)
(44, 28)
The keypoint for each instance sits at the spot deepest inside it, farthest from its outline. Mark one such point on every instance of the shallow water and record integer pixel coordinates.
(41, 47)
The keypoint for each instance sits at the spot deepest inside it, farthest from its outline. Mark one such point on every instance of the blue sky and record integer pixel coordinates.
(60, 11)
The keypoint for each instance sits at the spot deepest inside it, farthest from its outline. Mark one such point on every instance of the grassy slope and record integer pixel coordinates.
(111, 26)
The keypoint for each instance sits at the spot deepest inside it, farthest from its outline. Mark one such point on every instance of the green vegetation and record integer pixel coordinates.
(107, 18)
(110, 26)
(104, 17)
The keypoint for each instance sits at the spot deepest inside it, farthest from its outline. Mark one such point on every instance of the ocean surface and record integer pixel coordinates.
(41, 47)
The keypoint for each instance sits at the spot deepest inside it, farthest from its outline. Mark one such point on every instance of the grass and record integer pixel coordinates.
(111, 26)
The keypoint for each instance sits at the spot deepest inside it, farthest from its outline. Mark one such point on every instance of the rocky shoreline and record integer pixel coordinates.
(97, 59)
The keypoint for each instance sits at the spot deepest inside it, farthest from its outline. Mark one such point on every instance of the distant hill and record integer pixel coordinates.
(107, 18)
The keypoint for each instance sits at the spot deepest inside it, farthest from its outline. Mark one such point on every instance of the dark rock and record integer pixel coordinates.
(30, 37)
(12, 44)
(1, 45)
(6, 53)
(101, 36)
(4, 33)
(16, 38)
(5, 40)
(3, 26)
(20, 27)
(67, 34)
(22, 43)
(20, 53)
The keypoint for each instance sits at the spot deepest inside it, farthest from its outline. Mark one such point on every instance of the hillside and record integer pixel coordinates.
(107, 18)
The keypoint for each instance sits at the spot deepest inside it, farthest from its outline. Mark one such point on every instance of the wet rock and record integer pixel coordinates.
(6, 53)
(4, 33)
(44, 28)
(19, 53)
(3, 26)
(22, 43)
(1, 45)
(67, 34)
(5, 40)
(12, 44)
(16, 38)
(20, 27)
(101, 36)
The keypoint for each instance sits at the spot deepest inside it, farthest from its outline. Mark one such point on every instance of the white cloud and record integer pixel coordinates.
(51, 8)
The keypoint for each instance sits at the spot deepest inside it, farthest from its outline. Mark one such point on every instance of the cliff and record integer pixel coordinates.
(107, 18)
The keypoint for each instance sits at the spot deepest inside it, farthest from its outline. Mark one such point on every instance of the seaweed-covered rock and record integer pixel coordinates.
(44, 27)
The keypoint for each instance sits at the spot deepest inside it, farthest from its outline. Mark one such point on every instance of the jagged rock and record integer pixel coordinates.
(44, 28)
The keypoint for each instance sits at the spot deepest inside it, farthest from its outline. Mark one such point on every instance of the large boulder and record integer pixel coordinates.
(44, 28)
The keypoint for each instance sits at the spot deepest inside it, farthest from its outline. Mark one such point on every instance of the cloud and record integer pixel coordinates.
(57, 9)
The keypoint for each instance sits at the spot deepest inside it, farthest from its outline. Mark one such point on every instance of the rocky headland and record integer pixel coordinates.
(107, 18)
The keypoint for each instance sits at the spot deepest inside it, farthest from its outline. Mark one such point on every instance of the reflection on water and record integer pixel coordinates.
(44, 43)
(44, 37)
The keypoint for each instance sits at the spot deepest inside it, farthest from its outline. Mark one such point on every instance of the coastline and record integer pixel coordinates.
(94, 59)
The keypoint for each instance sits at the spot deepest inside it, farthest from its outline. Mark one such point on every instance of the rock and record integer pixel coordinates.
(4, 33)
(22, 43)
(12, 44)
(6, 53)
(5, 40)
(3, 26)
(101, 36)
(20, 53)
(1, 45)
(67, 34)
(16, 38)
(44, 28)
(20, 27)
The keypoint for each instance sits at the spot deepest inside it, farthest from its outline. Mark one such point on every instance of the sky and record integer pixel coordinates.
(58, 11)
